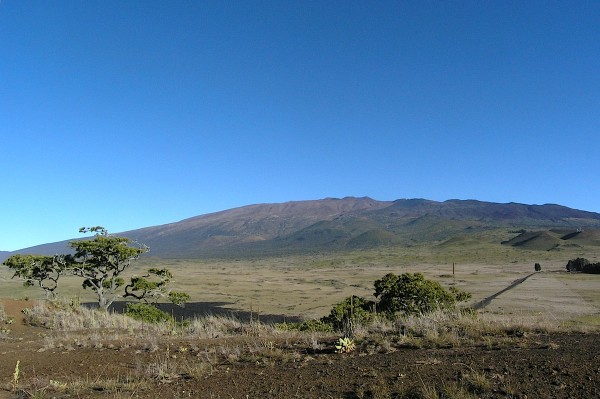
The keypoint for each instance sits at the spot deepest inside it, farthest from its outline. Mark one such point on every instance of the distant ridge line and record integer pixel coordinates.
(339, 224)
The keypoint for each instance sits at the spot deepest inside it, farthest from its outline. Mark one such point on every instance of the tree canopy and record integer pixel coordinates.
(100, 262)
(39, 269)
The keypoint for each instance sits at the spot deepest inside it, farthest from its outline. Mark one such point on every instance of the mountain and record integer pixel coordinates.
(333, 224)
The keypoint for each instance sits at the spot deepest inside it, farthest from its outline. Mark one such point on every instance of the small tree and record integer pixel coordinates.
(39, 269)
(100, 262)
(537, 267)
(412, 293)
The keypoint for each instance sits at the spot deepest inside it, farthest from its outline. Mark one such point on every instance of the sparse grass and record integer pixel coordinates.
(127, 385)
(4, 322)
(477, 383)
(374, 390)
(278, 286)
(79, 327)
(424, 390)
(197, 349)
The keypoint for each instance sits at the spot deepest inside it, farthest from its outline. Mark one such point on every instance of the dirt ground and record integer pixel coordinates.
(565, 365)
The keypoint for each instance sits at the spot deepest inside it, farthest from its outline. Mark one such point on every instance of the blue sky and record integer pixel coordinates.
(130, 114)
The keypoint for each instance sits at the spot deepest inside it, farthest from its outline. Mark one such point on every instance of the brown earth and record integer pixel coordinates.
(558, 365)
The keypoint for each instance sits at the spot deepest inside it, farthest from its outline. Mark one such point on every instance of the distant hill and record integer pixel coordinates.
(555, 239)
(333, 224)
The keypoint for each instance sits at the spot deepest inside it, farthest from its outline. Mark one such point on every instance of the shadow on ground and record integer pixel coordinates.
(486, 301)
(201, 309)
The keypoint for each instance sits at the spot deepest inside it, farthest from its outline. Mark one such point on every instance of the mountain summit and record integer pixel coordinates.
(340, 224)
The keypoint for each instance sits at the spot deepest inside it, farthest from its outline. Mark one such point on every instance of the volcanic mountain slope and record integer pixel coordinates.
(353, 223)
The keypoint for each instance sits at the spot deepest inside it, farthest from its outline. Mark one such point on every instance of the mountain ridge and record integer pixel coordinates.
(340, 224)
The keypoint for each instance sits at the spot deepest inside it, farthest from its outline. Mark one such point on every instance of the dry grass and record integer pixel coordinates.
(443, 329)
(196, 350)
(79, 327)
(281, 286)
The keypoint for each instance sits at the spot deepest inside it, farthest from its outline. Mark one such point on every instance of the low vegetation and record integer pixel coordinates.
(583, 265)
(397, 312)
(173, 351)
(408, 294)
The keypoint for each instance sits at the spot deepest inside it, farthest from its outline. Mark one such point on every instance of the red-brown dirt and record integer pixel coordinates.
(565, 365)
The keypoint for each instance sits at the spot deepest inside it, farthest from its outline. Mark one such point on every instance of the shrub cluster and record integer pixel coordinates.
(407, 294)
(583, 265)
(412, 293)
(147, 313)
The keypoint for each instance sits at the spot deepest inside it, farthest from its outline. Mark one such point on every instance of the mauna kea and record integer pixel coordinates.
(350, 223)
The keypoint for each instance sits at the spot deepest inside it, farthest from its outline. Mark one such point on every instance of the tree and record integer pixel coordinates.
(412, 293)
(39, 269)
(100, 262)
(153, 286)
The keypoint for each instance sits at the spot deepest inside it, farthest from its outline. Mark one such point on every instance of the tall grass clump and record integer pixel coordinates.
(59, 317)
(213, 326)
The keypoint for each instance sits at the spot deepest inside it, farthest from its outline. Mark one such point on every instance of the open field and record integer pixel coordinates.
(530, 330)
(307, 286)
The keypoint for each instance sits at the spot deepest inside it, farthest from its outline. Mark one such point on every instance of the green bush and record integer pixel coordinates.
(592, 268)
(147, 313)
(412, 293)
(408, 293)
(352, 311)
(577, 265)
(583, 265)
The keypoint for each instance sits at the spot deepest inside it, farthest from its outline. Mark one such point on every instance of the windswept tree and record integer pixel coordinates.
(101, 261)
(40, 270)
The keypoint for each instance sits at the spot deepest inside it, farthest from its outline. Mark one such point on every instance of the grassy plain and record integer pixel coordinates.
(307, 286)
(527, 315)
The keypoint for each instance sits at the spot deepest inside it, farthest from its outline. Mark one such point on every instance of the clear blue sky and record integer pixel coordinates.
(129, 114)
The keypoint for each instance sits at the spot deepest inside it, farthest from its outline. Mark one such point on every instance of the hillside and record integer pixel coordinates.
(354, 223)
(555, 239)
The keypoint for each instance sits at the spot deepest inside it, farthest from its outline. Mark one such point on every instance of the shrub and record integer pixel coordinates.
(577, 265)
(147, 313)
(537, 267)
(412, 293)
(592, 268)
(583, 265)
(352, 311)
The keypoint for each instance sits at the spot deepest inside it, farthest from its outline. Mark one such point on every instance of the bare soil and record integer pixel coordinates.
(565, 365)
